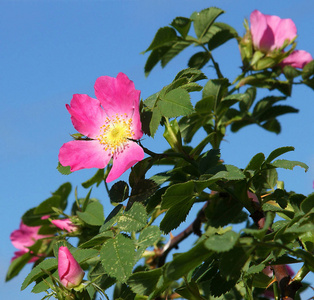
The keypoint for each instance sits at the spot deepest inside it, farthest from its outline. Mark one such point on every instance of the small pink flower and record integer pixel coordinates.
(270, 32)
(25, 237)
(65, 224)
(111, 122)
(70, 272)
(297, 59)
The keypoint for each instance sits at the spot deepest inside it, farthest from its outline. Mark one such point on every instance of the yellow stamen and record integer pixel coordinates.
(115, 133)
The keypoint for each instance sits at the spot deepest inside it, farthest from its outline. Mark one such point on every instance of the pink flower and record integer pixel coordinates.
(111, 122)
(70, 272)
(65, 224)
(297, 59)
(25, 237)
(270, 32)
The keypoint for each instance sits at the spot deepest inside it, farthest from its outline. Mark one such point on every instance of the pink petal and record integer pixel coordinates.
(84, 154)
(297, 59)
(262, 35)
(86, 114)
(124, 160)
(70, 272)
(25, 236)
(117, 95)
(285, 30)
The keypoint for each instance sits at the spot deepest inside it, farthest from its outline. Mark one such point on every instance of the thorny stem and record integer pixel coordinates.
(194, 227)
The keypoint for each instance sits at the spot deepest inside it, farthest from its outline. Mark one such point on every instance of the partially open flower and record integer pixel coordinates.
(111, 123)
(70, 272)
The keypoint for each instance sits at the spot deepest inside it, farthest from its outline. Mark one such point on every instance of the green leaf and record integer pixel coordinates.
(93, 215)
(149, 236)
(220, 33)
(290, 72)
(222, 242)
(175, 103)
(112, 218)
(48, 265)
(209, 161)
(154, 57)
(119, 192)
(216, 88)
(289, 164)
(144, 283)
(176, 215)
(64, 170)
(46, 207)
(177, 193)
(164, 37)
(308, 203)
(173, 51)
(277, 152)
(118, 257)
(275, 111)
(230, 267)
(96, 179)
(182, 24)
(256, 162)
(97, 239)
(185, 262)
(308, 70)
(204, 19)
(142, 191)
(134, 219)
(155, 121)
(17, 265)
(198, 60)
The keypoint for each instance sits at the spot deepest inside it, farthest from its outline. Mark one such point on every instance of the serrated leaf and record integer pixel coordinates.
(308, 70)
(289, 164)
(173, 51)
(185, 262)
(177, 193)
(17, 265)
(222, 242)
(176, 215)
(256, 162)
(64, 170)
(48, 264)
(119, 192)
(277, 152)
(93, 215)
(182, 24)
(204, 19)
(164, 37)
(154, 57)
(220, 33)
(155, 121)
(198, 60)
(144, 283)
(175, 103)
(97, 239)
(134, 219)
(118, 257)
(149, 236)
(308, 203)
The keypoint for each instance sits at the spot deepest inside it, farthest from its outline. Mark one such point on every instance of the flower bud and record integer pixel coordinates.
(65, 224)
(70, 272)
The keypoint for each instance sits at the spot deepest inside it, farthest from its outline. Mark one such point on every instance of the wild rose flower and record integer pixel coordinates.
(65, 224)
(297, 59)
(70, 272)
(25, 237)
(111, 122)
(270, 32)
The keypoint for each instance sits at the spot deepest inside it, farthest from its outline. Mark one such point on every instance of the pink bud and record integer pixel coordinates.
(70, 272)
(65, 224)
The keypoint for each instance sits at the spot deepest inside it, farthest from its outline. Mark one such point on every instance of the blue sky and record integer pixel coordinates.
(52, 49)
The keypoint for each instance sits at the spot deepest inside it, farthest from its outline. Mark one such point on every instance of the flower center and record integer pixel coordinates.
(115, 132)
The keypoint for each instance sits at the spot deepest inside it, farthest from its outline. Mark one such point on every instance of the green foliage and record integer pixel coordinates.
(128, 248)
